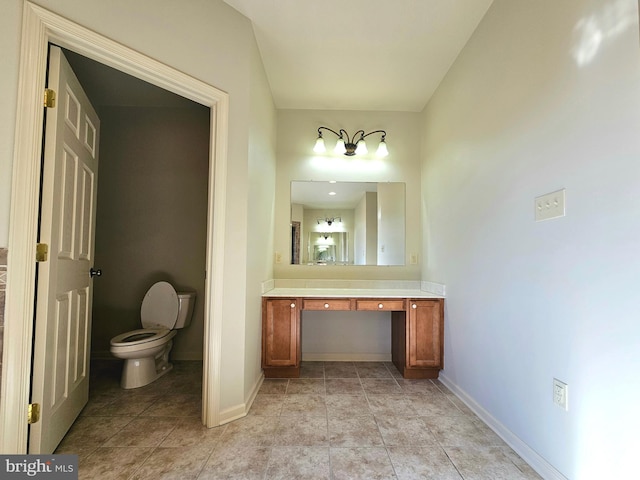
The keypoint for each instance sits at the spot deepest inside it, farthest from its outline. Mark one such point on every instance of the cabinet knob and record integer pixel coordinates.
(326, 305)
(293, 305)
(414, 306)
(380, 305)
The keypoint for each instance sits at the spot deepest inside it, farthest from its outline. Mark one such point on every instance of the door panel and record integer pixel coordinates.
(424, 338)
(64, 290)
(280, 333)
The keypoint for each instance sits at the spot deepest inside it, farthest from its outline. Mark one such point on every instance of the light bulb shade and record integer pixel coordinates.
(319, 146)
(348, 145)
(382, 149)
(361, 147)
(340, 149)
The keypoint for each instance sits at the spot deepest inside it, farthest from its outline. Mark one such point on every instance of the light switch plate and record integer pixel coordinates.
(551, 205)
(561, 394)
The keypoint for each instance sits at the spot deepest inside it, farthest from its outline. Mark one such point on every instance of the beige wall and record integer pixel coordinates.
(152, 217)
(261, 211)
(346, 336)
(546, 95)
(10, 21)
(210, 41)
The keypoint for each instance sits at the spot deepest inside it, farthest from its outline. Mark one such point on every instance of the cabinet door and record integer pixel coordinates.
(280, 332)
(424, 338)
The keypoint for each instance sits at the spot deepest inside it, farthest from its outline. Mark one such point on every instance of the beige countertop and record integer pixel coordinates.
(350, 293)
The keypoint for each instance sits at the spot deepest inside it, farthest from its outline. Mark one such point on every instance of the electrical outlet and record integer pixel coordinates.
(413, 259)
(560, 394)
(550, 205)
(278, 257)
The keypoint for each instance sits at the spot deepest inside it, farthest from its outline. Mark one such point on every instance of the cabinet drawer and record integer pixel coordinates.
(382, 305)
(326, 304)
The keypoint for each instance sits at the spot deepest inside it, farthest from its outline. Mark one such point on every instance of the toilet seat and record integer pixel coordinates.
(145, 351)
(158, 315)
(139, 337)
(160, 307)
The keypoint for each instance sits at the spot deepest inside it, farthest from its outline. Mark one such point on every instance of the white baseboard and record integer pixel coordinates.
(238, 411)
(535, 461)
(232, 413)
(346, 357)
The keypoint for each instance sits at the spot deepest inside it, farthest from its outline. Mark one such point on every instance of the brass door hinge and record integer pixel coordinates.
(49, 98)
(34, 413)
(42, 251)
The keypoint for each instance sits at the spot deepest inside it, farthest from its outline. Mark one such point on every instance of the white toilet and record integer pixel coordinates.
(146, 351)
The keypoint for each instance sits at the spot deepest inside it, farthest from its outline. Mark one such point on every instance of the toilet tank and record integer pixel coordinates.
(185, 310)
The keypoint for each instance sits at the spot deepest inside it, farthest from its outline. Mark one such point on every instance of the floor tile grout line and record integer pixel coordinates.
(366, 395)
(393, 467)
(141, 463)
(452, 462)
(266, 470)
(204, 464)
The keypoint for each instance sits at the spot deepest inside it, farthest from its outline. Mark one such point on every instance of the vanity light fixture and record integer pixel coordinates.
(348, 145)
(329, 220)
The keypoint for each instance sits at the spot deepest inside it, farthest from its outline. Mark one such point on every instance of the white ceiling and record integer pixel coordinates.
(330, 194)
(387, 55)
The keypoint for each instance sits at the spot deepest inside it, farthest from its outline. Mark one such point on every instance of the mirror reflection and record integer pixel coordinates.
(347, 223)
(329, 248)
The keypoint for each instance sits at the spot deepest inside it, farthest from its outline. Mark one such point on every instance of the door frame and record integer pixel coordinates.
(39, 27)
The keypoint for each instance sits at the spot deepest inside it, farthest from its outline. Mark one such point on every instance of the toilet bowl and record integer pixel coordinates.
(145, 351)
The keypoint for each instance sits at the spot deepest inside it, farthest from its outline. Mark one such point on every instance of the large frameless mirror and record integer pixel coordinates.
(347, 223)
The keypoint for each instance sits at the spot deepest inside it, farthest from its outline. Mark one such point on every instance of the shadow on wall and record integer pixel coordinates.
(155, 277)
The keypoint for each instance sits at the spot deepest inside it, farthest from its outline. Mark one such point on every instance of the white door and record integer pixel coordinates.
(64, 287)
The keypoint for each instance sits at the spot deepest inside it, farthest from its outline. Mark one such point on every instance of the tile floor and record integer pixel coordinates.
(341, 421)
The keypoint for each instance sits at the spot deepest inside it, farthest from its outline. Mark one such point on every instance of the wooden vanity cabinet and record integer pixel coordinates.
(417, 329)
(417, 339)
(281, 337)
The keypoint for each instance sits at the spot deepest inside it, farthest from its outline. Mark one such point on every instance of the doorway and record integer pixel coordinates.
(41, 27)
(152, 201)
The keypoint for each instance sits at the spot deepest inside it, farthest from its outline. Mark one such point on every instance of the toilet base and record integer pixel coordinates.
(138, 372)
